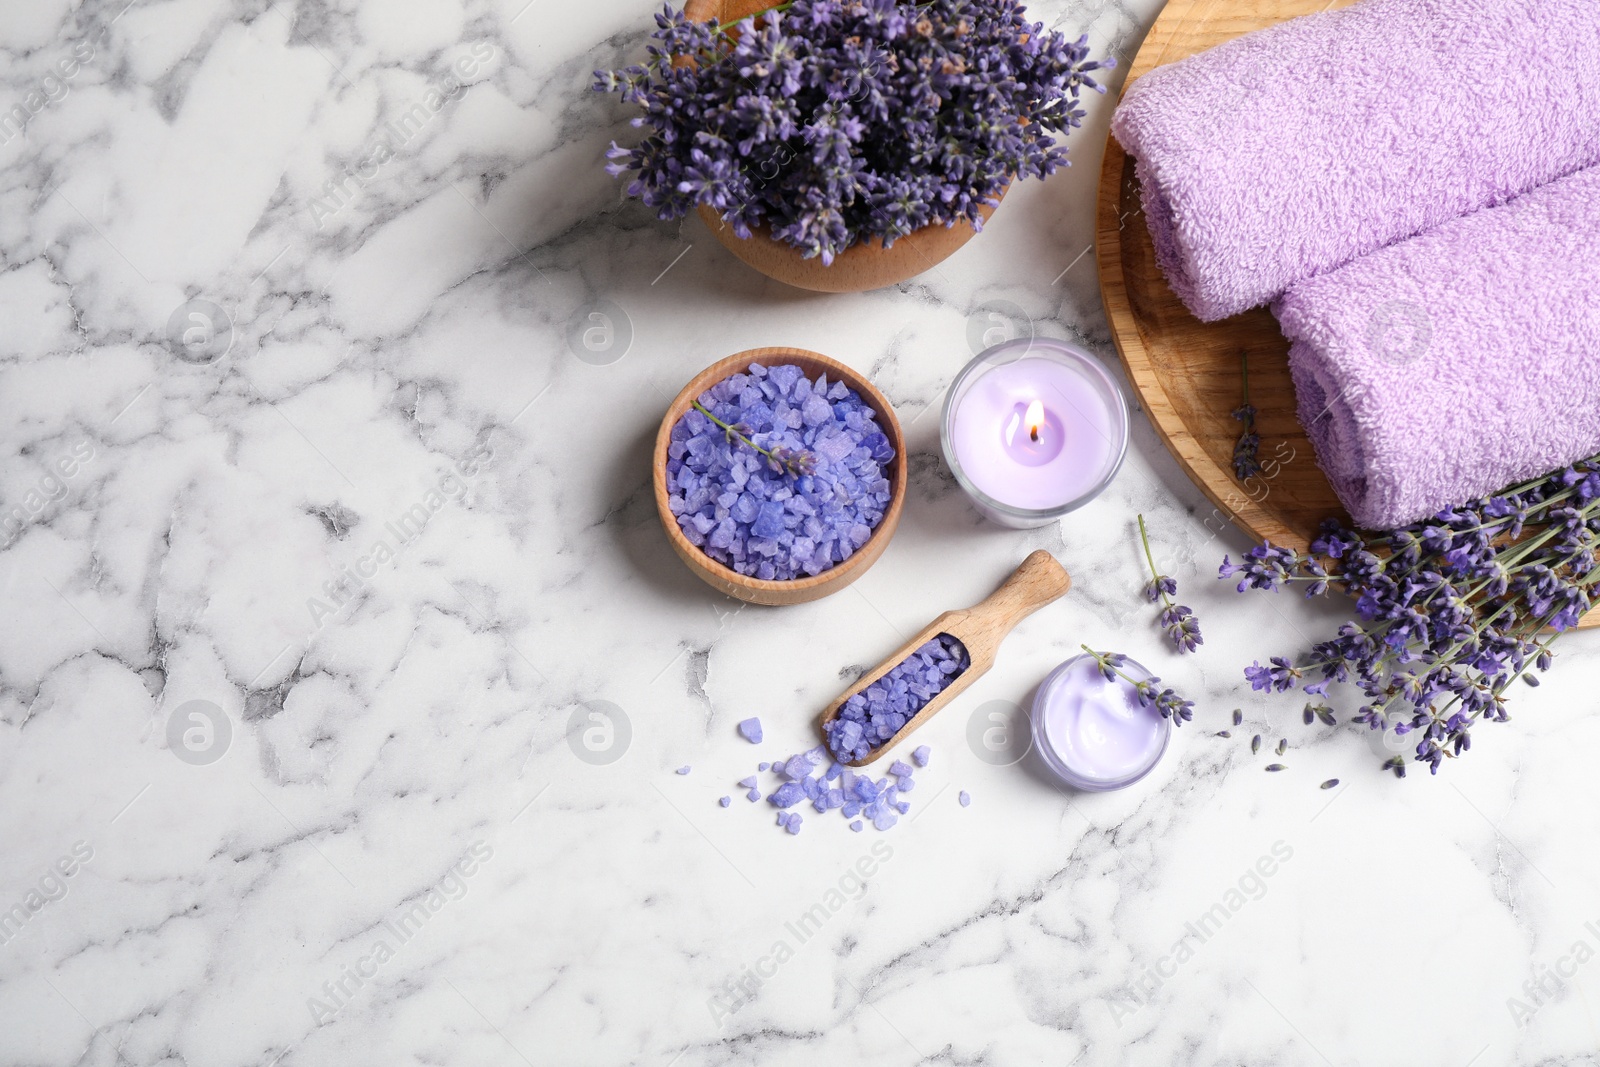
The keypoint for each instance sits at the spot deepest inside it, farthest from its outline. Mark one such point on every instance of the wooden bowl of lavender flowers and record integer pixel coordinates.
(779, 475)
(845, 145)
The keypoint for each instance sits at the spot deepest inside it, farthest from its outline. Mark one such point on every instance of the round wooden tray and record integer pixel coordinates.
(1188, 373)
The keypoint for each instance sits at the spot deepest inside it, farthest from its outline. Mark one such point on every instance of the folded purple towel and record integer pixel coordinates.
(1451, 365)
(1291, 151)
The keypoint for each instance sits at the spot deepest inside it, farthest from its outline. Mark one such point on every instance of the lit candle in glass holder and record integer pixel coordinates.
(1034, 428)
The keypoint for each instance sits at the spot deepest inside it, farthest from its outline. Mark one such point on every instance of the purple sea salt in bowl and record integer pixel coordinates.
(796, 590)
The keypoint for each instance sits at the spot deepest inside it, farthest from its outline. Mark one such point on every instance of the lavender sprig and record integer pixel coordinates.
(1177, 621)
(1246, 463)
(1453, 610)
(835, 122)
(1166, 701)
(796, 461)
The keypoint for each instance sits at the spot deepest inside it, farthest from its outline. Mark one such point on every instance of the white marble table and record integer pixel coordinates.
(282, 283)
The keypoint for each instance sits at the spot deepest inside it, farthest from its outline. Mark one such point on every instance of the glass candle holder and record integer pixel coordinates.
(1034, 428)
(1093, 733)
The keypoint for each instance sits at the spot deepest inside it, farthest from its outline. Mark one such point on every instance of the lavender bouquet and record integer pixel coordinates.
(1454, 610)
(835, 121)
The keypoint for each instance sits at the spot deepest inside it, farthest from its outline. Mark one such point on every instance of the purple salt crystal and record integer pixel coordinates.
(787, 795)
(919, 755)
(753, 796)
(762, 766)
(797, 767)
(904, 806)
(834, 771)
(835, 798)
(793, 825)
(751, 729)
(856, 826)
(964, 798)
(749, 783)
(905, 783)
(884, 820)
(725, 801)
(900, 769)
(684, 769)
(851, 808)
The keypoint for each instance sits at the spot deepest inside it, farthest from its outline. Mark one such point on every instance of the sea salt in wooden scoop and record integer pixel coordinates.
(980, 628)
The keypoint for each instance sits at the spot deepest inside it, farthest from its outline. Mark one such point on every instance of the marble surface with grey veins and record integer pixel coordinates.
(345, 670)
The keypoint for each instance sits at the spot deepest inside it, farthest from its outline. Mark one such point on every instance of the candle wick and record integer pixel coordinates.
(1033, 432)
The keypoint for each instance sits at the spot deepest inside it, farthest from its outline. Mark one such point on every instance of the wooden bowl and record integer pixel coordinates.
(798, 590)
(864, 265)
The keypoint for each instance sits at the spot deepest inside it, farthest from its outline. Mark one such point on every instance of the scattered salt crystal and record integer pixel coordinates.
(965, 798)
(919, 755)
(725, 801)
(762, 766)
(753, 796)
(900, 769)
(751, 729)
(684, 769)
(748, 783)
(856, 826)
(787, 795)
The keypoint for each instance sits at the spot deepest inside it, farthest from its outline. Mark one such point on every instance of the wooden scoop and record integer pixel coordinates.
(980, 628)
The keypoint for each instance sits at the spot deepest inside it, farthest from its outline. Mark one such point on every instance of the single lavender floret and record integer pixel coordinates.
(919, 755)
(1177, 621)
(965, 798)
(751, 729)
(773, 520)
(878, 712)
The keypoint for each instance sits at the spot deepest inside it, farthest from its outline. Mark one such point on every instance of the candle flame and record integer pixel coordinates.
(1034, 419)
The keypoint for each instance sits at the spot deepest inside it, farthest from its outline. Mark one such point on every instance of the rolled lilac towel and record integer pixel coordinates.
(1290, 151)
(1451, 365)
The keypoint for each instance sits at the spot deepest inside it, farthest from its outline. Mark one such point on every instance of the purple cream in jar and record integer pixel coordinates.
(1093, 733)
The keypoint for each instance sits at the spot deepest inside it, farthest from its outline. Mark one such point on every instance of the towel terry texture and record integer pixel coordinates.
(1291, 151)
(1451, 365)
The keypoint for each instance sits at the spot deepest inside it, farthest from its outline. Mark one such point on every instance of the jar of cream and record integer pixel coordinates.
(1093, 733)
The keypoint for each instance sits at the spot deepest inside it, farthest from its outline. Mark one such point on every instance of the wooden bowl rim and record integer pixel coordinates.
(883, 412)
